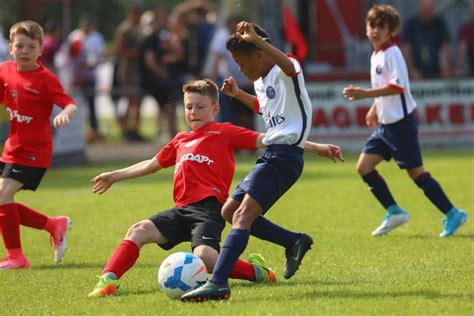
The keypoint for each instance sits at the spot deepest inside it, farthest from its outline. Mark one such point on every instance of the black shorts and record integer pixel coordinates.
(29, 176)
(200, 222)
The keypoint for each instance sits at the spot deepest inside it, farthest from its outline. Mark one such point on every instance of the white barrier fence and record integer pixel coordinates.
(445, 111)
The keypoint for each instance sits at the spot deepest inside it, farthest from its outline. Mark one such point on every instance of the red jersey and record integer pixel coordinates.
(204, 160)
(29, 98)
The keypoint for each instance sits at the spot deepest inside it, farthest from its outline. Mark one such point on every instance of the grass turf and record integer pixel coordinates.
(411, 271)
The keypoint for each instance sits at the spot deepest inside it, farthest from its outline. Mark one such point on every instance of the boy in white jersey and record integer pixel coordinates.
(396, 135)
(203, 161)
(286, 109)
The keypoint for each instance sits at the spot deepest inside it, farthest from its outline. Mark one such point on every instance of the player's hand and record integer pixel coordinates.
(102, 182)
(330, 151)
(230, 88)
(371, 118)
(352, 93)
(61, 120)
(246, 32)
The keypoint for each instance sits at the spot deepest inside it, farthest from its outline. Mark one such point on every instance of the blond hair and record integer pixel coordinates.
(29, 28)
(203, 86)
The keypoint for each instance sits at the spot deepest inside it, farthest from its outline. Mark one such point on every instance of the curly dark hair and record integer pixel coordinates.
(236, 45)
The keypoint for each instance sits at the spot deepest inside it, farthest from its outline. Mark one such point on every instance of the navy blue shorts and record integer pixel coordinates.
(29, 176)
(398, 141)
(273, 174)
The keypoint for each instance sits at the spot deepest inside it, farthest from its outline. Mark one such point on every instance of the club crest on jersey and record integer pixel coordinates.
(14, 95)
(270, 92)
(378, 70)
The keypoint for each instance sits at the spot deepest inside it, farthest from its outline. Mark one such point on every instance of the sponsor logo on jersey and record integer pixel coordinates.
(270, 92)
(193, 157)
(378, 70)
(13, 115)
(31, 90)
(272, 121)
(191, 143)
(213, 132)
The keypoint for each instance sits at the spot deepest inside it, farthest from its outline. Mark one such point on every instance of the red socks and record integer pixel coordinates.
(243, 270)
(123, 258)
(10, 224)
(33, 219)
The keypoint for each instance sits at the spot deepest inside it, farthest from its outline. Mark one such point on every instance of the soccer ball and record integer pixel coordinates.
(181, 272)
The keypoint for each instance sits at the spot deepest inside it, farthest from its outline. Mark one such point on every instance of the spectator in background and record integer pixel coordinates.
(51, 44)
(465, 51)
(4, 54)
(155, 77)
(425, 44)
(128, 40)
(86, 50)
(224, 66)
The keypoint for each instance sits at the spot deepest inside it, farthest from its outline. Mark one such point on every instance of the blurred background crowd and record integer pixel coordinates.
(123, 57)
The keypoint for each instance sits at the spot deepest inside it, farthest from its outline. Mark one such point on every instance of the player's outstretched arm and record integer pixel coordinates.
(352, 93)
(246, 32)
(65, 116)
(105, 180)
(330, 151)
(230, 88)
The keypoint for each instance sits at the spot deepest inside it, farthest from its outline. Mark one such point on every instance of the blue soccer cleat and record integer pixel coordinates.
(453, 220)
(390, 222)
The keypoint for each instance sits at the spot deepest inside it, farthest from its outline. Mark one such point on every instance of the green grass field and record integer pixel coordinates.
(412, 271)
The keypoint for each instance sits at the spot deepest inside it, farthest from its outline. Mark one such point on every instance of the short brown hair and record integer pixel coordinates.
(29, 28)
(384, 15)
(204, 87)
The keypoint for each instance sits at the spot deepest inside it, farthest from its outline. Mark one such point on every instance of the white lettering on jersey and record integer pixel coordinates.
(272, 121)
(193, 157)
(12, 115)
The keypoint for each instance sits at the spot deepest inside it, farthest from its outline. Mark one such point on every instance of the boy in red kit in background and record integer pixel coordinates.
(203, 161)
(29, 91)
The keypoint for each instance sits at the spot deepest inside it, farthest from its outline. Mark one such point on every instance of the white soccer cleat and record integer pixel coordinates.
(389, 223)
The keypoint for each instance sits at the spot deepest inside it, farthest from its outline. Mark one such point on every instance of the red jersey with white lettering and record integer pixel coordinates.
(204, 160)
(29, 98)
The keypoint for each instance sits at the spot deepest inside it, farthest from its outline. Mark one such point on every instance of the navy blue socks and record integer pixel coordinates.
(434, 192)
(234, 245)
(379, 188)
(263, 229)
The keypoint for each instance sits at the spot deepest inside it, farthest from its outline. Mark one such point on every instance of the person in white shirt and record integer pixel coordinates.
(396, 134)
(283, 101)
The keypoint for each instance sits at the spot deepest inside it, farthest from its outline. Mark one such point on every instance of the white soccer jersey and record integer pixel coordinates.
(285, 106)
(388, 68)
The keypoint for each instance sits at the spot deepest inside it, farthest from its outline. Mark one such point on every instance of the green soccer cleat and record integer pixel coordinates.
(295, 254)
(262, 272)
(105, 287)
(209, 291)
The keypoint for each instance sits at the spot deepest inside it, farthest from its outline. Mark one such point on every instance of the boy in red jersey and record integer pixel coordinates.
(204, 166)
(29, 91)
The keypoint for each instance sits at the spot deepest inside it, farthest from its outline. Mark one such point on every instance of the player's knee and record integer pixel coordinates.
(139, 233)
(226, 214)
(208, 255)
(242, 218)
(361, 169)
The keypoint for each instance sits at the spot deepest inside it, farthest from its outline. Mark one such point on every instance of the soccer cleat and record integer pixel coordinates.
(390, 222)
(10, 263)
(209, 291)
(262, 272)
(453, 220)
(295, 254)
(105, 287)
(58, 238)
